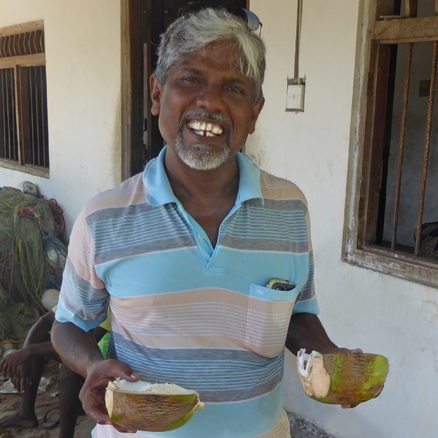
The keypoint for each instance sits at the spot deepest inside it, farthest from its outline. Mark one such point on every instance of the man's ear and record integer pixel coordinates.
(156, 90)
(255, 114)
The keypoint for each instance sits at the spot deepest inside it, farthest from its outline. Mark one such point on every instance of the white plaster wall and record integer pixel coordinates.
(359, 307)
(83, 43)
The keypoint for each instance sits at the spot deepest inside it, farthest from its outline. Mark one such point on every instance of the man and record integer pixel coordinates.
(184, 252)
(26, 366)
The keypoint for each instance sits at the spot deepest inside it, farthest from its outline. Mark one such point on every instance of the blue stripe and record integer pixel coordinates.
(218, 375)
(186, 270)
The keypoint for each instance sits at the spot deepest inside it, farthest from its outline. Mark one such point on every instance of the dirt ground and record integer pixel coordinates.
(9, 404)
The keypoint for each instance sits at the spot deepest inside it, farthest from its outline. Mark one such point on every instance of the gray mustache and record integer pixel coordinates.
(204, 114)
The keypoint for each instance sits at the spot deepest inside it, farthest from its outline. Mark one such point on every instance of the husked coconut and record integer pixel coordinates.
(150, 407)
(342, 378)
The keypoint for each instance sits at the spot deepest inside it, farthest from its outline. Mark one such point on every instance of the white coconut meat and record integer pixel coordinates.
(314, 377)
(148, 388)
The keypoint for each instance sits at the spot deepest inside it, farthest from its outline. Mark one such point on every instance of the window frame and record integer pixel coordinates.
(372, 35)
(17, 62)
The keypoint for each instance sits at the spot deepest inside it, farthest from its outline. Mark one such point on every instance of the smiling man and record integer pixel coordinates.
(184, 253)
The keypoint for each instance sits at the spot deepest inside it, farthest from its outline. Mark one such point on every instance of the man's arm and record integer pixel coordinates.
(17, 365)
(80, 352)
(39, 332)
(306, 331)
(78, 349)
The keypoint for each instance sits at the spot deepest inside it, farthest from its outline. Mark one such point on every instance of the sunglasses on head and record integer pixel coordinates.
(250, 19)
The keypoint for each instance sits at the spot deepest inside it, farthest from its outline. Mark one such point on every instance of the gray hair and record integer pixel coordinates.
(186, 36)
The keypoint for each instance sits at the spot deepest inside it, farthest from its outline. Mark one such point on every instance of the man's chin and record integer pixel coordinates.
(202, 157)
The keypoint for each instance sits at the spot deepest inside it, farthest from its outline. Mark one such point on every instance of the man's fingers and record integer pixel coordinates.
(25, 384)
(348, 406)
(122, 430)
(97, 415)
(17, 383)
(133, 377)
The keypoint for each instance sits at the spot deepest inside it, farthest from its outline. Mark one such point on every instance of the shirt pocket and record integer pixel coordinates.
(268, 318)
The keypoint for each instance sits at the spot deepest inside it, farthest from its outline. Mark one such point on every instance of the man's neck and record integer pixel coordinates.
(208, 196)
(203, 185)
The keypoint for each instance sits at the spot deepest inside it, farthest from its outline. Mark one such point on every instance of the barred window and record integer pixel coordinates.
(392, 211)
(24, 143)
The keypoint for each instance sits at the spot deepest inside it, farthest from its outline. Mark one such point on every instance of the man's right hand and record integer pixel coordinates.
(16, 366)
(92, 394)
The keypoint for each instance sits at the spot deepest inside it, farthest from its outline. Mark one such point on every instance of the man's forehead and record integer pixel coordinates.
(221, 55)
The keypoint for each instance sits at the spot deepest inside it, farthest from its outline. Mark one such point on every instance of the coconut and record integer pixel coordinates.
(342, 378)
(150, 407)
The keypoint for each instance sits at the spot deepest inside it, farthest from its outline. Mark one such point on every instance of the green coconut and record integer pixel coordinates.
(150, 407)
(342, 378)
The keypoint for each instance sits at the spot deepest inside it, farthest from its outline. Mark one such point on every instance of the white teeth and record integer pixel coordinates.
(217, 130)
(195, 125)
(206, 129)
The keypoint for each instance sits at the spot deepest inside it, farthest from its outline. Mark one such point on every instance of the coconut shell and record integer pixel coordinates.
(342, 378)
(150, 412)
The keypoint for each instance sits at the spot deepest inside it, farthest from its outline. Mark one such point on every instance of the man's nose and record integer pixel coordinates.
(212, 98)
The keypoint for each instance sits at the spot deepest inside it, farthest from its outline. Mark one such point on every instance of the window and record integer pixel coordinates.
(24, 143)
(392, 202)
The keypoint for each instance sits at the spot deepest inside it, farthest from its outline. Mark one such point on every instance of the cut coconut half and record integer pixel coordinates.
(150, 407)
(342, 378)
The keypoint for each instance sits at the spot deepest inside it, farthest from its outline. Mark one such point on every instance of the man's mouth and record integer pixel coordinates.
(205, 129)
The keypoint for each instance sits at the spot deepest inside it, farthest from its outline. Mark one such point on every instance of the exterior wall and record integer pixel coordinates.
(359, 307)
(83, 44)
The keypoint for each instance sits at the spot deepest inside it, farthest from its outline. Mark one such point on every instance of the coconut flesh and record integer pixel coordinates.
(150, 407)
(342, 378)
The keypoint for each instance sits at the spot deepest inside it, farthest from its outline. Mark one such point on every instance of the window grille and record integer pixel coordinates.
(392, 215)
(8, 125)
(20, 44)
(24, 143)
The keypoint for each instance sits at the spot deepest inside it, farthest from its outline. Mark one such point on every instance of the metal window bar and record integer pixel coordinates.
(37, 104)
(9, 146)
(44, 121)
(402, 145)
(33, 117)
(426, 146)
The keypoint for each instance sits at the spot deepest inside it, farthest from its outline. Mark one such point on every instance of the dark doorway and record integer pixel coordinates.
(146, 21)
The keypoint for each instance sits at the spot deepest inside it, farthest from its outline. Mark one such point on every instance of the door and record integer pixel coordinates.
(145, 21)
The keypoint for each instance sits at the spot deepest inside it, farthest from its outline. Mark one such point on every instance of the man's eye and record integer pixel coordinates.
(235, 89)
(190, 79)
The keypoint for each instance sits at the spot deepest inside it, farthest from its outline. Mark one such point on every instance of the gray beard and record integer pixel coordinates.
(202, 156)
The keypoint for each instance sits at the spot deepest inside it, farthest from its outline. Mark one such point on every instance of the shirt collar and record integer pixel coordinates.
(160, 191)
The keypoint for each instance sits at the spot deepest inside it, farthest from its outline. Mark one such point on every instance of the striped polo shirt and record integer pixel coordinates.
(185, 312)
